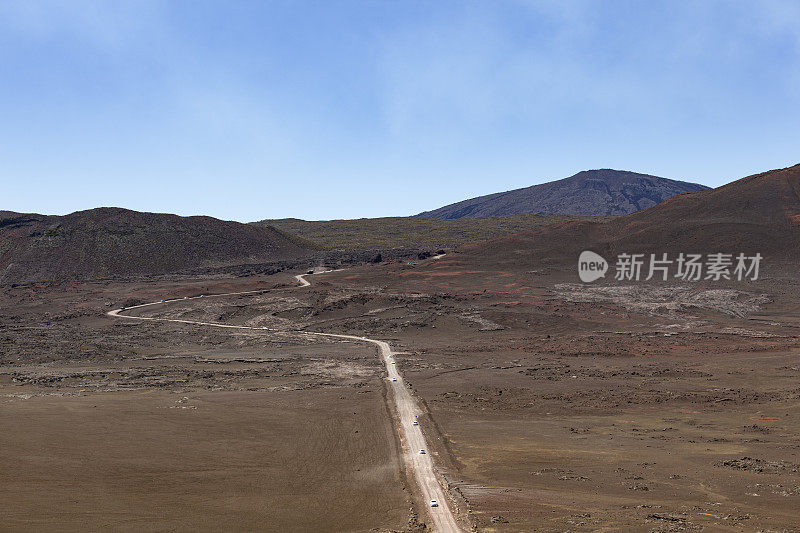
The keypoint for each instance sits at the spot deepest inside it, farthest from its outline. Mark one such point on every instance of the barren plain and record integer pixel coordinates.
(548, 406)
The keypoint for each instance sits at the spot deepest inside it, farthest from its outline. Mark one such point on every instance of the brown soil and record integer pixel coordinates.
(588, 409)
(549, 407)
(152, 427)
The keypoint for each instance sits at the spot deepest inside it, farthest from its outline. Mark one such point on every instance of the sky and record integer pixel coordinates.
(347, 109)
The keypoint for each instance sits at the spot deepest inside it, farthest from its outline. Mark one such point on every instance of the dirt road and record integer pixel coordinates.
(413, 440)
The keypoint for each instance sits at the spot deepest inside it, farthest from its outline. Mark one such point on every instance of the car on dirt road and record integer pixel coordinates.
(414, 423)
(434, 503)
(422, 452)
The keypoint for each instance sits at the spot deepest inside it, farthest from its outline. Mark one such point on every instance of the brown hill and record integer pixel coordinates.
(111, 241)
(759, 213)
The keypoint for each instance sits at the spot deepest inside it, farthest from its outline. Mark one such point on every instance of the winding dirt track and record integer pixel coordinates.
(413, 440)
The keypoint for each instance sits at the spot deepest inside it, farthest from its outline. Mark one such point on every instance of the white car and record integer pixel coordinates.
(414, 423)
(394, 363)
(394, 379)
(185, 297)
(434, 503)
(422, 452)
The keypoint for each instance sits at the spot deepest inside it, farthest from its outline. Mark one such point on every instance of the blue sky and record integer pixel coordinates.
(346, 109)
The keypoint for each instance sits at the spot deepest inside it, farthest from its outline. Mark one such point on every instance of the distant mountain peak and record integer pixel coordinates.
(757, 214)
(602, 191)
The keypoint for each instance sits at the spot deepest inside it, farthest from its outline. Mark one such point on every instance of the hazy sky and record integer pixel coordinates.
(345, 109)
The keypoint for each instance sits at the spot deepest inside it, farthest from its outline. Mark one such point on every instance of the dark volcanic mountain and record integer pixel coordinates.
(111, 241)
(591, 192)
(756, 214)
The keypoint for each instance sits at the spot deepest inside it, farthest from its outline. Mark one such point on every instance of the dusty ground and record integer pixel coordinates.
(153, 427)
(550, 407)
(647, 408)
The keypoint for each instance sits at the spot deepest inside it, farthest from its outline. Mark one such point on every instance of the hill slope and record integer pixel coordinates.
(756, 214)
(411, 232)
(591, 192)
(111, 241)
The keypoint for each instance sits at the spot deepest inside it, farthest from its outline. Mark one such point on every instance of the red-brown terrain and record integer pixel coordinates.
(548, 404)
